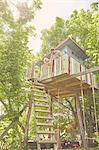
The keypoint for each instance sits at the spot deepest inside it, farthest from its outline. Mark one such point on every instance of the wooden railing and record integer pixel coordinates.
(63, 64)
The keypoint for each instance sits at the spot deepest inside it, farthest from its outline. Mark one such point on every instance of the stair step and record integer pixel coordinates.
(45, 96)
(47, 142)
(45, 132)
(44, 124)
(41, 91)
(38, 84)
(39, 87)
(44, 111)
(41, 100)
(39, 105)
(44, 117)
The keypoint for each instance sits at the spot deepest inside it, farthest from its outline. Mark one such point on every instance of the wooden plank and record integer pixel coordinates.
(63, 87)
(62, 82)
(44, 124)
(67, 95)
(74, 88)
(66, 86)
(39, 91)
(39, 87)
(38, 84)
(38, 95)
(67, 80)
(53, 84)
(57, 61)
(79, 88)
(72, 76)
(39, 100)
(43, 111)
(44, 117)
(71, 91)
(41, 105)
(60, 62)
(45, 132)
(64, 63)
(54, 78)
(47, 141)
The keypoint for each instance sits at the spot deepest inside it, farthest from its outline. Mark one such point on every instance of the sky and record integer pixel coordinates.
(51, 9)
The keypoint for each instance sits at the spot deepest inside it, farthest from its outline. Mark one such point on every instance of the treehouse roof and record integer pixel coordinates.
(73, 46)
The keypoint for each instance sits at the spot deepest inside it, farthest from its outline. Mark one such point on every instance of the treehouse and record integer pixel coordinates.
(61, 73)
(69, 60)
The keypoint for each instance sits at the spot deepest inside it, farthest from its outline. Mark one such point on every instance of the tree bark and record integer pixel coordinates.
(80, 121)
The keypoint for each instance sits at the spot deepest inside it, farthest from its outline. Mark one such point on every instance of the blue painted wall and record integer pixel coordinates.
(67, 50)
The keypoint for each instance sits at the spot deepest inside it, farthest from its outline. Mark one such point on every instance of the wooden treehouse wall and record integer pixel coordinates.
(68, 62)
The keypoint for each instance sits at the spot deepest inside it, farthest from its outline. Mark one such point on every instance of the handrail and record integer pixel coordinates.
(91, 70)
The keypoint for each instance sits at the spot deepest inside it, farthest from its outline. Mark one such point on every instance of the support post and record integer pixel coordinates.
(51, 116)
(80, 122)
(60, 61)
(51, 113)
(58, 130)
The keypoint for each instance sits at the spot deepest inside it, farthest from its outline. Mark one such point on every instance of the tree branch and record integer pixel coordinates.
(72, 109)
(21, 126)
(12, 123)
(4, 104)
(2, 116)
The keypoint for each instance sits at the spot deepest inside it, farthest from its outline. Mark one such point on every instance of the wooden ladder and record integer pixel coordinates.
(45, 135)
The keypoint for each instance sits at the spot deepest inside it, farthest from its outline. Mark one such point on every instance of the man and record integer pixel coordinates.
(51, 61)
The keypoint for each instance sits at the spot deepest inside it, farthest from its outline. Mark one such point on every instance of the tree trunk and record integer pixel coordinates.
(82, 132)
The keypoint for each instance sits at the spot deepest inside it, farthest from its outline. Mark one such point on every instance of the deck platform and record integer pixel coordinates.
(65, 85)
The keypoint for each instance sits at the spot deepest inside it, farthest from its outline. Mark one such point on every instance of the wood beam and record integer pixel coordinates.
(66, 90)
(50, 88)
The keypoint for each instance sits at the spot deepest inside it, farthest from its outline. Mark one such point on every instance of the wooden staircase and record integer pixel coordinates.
(45, 135)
